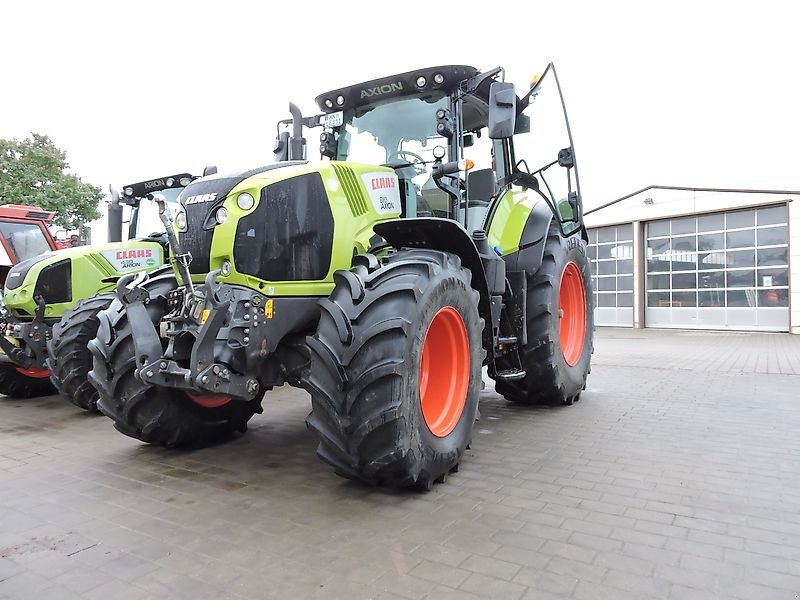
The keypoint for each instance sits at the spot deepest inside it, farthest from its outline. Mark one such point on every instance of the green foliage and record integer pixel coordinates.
(33, 171)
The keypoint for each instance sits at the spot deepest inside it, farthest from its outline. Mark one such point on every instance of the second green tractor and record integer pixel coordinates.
(441, 232)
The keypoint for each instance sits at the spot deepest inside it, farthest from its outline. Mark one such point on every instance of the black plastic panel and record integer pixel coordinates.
(55, 283)
(289, 235)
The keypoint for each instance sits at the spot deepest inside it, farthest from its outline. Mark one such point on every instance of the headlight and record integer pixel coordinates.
(180, 221)
(245, 201)
(221, 215)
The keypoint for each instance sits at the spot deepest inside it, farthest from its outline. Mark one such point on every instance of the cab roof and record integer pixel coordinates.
(449, 77)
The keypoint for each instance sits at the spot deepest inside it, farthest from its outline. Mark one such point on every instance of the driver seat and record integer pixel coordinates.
(481, 187)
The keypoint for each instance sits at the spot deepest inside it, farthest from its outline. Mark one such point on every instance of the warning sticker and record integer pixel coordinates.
(133, 259)
(384, 191)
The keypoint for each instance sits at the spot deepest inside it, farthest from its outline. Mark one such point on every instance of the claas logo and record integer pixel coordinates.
(122, 254)
(381, 183)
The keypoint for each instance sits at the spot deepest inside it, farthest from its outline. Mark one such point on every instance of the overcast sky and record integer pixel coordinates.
(674, 93)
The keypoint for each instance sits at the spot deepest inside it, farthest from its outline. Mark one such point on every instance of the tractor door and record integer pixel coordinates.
(542, 148)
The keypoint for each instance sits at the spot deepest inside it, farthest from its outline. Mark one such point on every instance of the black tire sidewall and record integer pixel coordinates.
(441, 453)
(573, 250)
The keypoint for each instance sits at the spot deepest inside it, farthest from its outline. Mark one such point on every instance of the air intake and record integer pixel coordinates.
(353, 189)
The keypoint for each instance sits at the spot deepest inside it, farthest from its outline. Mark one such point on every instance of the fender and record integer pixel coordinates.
(531, 244)
(446, 236)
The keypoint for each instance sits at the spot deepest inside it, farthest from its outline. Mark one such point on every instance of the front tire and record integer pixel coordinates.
(69, 358)
(557, 357)
(165, 417)
(395, 369)
(17, 382)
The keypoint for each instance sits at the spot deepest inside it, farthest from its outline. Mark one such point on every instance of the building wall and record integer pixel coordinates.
(656, 203)
(794, 265)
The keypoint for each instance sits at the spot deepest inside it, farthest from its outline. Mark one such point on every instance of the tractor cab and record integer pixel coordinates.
(456, 138)
(143, 215)
(24, 234)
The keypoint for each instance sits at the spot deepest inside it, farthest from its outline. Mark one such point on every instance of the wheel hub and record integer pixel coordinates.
(444, 372)
(572, 314)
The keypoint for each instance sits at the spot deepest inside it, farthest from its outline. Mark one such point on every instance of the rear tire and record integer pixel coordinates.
(396, 357)
(556, 362)
(165, 417)
(16, 384)
(69, 358)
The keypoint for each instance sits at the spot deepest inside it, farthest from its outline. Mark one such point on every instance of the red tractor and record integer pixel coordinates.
(24, 233)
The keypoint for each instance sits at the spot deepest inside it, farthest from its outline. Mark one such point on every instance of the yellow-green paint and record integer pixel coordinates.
(508, 221)
(89, 269)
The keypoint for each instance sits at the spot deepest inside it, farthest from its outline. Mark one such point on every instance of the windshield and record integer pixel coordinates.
(24, 240)
(145, 220)
(393, 133)
(401, 134)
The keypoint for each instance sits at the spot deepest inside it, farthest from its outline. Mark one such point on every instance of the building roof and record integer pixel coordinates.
(691, 189)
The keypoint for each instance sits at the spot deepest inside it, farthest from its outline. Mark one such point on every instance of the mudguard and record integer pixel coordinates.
(446, 236)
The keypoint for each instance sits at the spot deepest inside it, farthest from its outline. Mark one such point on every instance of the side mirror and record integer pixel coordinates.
(502, 110)
(210, 170)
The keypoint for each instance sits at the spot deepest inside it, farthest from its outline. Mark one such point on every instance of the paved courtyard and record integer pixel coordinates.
(676, 476)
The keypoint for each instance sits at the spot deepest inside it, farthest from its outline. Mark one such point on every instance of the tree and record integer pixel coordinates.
(33, 171)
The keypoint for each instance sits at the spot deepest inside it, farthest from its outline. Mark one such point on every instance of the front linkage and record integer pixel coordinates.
(210, 329)
(30, 352)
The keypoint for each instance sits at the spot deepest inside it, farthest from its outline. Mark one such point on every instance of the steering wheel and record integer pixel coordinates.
(418, 163)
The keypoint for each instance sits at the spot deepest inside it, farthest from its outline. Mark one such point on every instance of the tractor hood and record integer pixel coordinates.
(65, 276)
(201, 199)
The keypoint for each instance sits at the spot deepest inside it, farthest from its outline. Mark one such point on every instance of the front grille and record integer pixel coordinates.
(196, 240)
(353, 189)
(55, 282)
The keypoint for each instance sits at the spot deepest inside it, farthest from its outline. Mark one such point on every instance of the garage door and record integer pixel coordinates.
(611, 251)
(719, 271)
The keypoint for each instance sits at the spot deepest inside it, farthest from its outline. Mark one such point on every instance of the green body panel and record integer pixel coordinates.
(90, 266)
(509, 218)
(354, 214)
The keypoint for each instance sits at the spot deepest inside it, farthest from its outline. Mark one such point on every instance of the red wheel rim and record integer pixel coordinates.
(209, 400)
(33, 373)
(444, 372)
(572, 314)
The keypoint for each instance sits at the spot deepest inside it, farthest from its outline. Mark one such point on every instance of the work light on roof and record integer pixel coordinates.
(185, 181)
(438, 79)
(170, 181)
(339, 100)
(421, 81)
(328, 103)
(129, 191)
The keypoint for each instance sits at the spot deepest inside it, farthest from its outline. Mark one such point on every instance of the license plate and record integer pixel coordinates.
(334, 120)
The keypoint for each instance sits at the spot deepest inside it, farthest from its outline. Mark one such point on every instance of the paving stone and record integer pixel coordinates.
(677, 478)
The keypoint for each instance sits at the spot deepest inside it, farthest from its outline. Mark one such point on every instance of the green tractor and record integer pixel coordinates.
(441, 232)
(51, 300)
